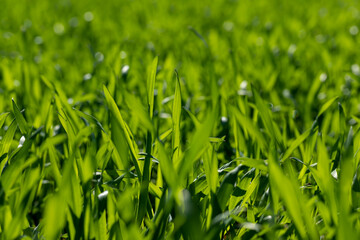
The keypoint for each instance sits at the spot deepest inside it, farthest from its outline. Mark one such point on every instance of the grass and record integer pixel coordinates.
(179, 120)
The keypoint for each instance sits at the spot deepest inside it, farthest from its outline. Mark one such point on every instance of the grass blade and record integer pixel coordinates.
(151, 85)
(119, 120)
(176, 115)
(23, 126)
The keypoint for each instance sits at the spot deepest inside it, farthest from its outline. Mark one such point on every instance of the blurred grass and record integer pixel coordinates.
(179, 120)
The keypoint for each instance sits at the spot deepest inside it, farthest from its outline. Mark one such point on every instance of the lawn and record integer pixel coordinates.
(211, 119)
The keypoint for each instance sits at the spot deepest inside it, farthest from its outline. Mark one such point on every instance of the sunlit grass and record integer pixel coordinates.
(179, 120)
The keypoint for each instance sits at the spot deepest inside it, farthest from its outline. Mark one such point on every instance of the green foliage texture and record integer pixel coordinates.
(156, 119)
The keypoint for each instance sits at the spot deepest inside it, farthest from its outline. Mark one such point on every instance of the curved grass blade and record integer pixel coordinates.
(143, 199)
(266, 117)
(119, 120)
(167, 167)
(293, 199)
(327, 105)
(198, 35)
(151, 85)
(253, 163)
(251, 128)
(3, 117)
(90, 118)
(295, 144)
(193, 118)
(6, 141)
(226, 187)
(23, 126)
(198, 145)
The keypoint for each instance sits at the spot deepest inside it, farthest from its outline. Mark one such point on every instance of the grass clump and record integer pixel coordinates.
(179, 120)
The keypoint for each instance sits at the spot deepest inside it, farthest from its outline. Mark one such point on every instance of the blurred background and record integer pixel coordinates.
(297, 53)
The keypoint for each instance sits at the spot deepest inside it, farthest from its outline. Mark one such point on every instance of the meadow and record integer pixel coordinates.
(223, 119)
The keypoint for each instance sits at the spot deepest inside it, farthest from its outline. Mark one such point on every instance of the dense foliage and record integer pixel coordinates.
(254, 135)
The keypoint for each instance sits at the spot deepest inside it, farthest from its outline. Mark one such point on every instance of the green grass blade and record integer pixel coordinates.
(176, 115)
(167, 167)
(266, 117)
(327, 105)
(295, 144)
(119, 120)
(143, 199)
(3, 117)
(151, 85)
(90, 118)
(253, 163)
(199, 143)
(251, 128)
(6, 141)
(227, 185)
(23, 126)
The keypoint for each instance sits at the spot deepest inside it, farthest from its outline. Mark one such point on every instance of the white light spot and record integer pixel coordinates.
(354, 30)
(286, 93)
(99, 57)
(88, 16)
(228, 26)
(59, 28)
(323, 77)
(224, 119)
(347, 78)
(150, 46)
(334, 174)
(125, 69)
(268, 218)
(275, 51)
(37, 58)
(292, 49)
(21, 142)
(276, 109)
(346, 91)
(7, 35)
(321, 96)
(165, 115)
(16, 83)
(295, 114)
(87, 77)
(56, 127)
(70, 101)
(243, 84)
(103, 194)
(38, 40)
(355, 69)
(352, 122)
(242, 92)
(123, 55)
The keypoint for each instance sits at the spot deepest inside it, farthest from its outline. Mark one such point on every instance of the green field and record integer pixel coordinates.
(209, 119)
